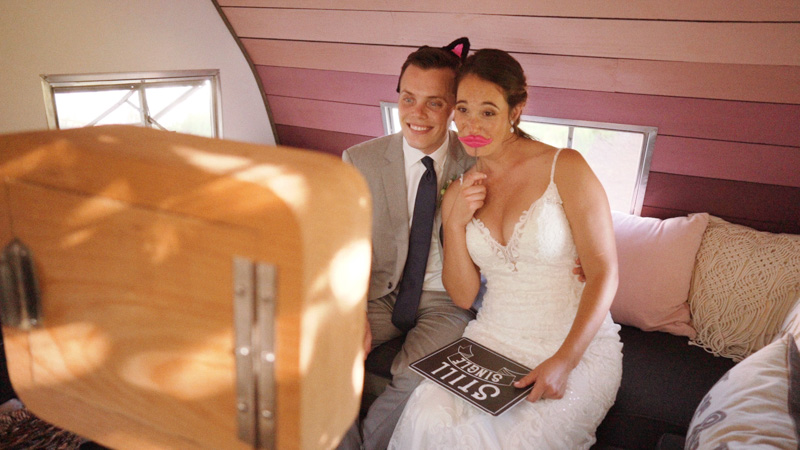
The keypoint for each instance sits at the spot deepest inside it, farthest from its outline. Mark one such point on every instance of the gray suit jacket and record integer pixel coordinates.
(381, 162)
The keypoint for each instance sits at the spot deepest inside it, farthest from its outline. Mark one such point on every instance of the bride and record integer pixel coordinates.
(520, 217)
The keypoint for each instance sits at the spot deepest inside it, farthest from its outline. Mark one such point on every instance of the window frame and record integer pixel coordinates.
(386, 116)
(134, 80)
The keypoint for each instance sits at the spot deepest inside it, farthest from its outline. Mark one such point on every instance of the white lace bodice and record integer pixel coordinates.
(542, 229)
(531, 292)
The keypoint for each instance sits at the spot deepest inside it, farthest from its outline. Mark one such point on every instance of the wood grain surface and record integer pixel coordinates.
(133, 233)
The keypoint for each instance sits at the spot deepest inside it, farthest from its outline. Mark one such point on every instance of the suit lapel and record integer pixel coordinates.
(393, 176)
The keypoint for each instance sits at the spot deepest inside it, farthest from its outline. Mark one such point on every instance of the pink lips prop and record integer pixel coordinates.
(475, 141)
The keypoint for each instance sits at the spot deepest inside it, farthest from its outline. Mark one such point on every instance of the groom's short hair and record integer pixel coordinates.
(430, 58)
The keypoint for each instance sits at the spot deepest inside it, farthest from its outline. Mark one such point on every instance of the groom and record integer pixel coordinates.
(405, 173)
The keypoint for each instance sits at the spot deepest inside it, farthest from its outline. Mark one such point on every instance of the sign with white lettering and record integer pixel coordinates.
(475, 373)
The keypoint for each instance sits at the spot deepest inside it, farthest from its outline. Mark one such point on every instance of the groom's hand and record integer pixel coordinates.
(578, 270)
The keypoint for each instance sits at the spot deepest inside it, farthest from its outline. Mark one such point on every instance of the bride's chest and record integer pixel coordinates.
(542, 235)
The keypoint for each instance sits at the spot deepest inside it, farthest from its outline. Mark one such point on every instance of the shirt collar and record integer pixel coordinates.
(413, 155)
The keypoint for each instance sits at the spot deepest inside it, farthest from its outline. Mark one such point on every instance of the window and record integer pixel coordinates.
(618, 154)
(185, 101)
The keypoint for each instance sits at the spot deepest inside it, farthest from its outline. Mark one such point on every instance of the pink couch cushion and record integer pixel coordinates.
(656, 260)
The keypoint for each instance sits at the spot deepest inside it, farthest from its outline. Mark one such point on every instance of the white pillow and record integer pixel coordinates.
(792, 322)
(754, 405)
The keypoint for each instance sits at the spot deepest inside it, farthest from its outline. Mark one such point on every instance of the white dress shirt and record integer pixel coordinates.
(414, 171)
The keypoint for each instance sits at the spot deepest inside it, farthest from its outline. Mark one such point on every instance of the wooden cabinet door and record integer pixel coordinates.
(137, 319)
(133, 234)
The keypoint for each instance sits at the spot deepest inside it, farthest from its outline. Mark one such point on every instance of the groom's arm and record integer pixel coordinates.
(367, 329)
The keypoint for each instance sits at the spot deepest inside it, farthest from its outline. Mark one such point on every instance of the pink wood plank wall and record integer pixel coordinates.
(720, 80)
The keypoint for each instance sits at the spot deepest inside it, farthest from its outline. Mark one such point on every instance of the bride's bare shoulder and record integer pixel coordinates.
(570, 159)
(537, 152)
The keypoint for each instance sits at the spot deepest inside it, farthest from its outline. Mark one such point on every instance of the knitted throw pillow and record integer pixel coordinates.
(744, 283)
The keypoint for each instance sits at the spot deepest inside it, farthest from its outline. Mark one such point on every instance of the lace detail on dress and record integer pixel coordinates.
(509, 253)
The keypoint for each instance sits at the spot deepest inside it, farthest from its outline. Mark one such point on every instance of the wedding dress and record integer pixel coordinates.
(530, 303)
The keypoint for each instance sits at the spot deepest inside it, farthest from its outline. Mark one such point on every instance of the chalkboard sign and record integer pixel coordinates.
(475, 373)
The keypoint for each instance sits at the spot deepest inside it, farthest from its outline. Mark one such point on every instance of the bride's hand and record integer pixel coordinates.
(469, 193)
(549, 379)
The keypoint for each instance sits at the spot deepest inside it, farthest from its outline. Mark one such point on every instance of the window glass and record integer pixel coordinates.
(555, 135)
(185, 102)
(618, 154)
(80, 108)
(186, 109)
(614, 158)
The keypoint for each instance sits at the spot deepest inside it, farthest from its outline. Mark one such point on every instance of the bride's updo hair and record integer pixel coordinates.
(500, 68)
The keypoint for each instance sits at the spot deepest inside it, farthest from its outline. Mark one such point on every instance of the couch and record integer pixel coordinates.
(703, 305)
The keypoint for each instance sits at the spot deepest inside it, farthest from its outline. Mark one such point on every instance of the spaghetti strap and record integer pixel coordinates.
(553, 169)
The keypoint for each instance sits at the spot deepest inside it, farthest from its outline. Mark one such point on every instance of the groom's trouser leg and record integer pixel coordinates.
(379, 315)
(439, 322)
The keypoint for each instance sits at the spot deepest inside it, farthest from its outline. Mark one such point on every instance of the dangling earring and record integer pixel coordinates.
(512, 127)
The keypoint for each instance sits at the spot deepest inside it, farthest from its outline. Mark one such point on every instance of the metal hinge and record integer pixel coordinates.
(20, 298)
(254, 287)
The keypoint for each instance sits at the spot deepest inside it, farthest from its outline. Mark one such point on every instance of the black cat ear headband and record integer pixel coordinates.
(459, 47)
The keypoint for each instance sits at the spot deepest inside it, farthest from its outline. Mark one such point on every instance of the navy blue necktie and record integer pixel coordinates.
(419, 245)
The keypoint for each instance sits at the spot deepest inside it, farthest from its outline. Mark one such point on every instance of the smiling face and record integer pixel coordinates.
(425, 104)
(482, 114)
